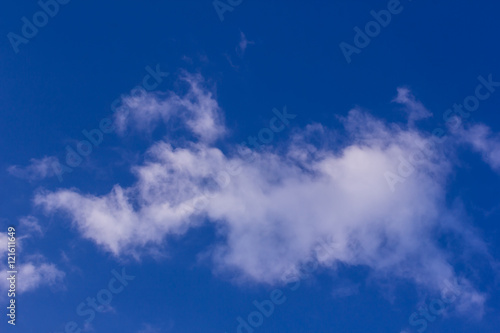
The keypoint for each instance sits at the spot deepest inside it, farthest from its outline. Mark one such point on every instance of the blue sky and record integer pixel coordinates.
(228, 166)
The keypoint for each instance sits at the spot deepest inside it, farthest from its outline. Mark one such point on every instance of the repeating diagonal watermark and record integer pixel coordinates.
(264, 309)
(100, 303)
(40, 19)
(452, 117)
(228, 6)
(74, 157)
(372, 29)
(437, 306)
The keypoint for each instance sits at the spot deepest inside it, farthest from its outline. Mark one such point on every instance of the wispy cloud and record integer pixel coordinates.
(37, 169)
(148, 328)
(345, 289)
(243, 44)
(30, 225)
(415, 109)
(482, 140)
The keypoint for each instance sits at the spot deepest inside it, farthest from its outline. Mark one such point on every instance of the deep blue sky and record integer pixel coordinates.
(64, 80)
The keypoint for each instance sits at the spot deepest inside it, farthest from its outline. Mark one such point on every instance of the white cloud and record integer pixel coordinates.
(30, 225)
(38, 169)
(484, 142)
(272, 207)
(31, 276)
(32, 271)
(415, 109)
(196, 109)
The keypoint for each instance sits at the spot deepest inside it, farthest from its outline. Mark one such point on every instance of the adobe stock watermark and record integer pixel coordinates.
(265, 136)
(74, 157)
(371, 30)
(12, 274)
(98, 303)
(40, 19)
(428, 314)
(221, 7)
(264, 309)
(452, 116)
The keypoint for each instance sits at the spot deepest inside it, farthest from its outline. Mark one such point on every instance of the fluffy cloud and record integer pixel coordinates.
(273, 207)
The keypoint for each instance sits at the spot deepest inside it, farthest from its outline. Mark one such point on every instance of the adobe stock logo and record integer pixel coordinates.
(95, 136)
(372, 29)
(436, 308)
(264, 309)
(221, 7)
(29, 30)
(453, 118)
(100, 303)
